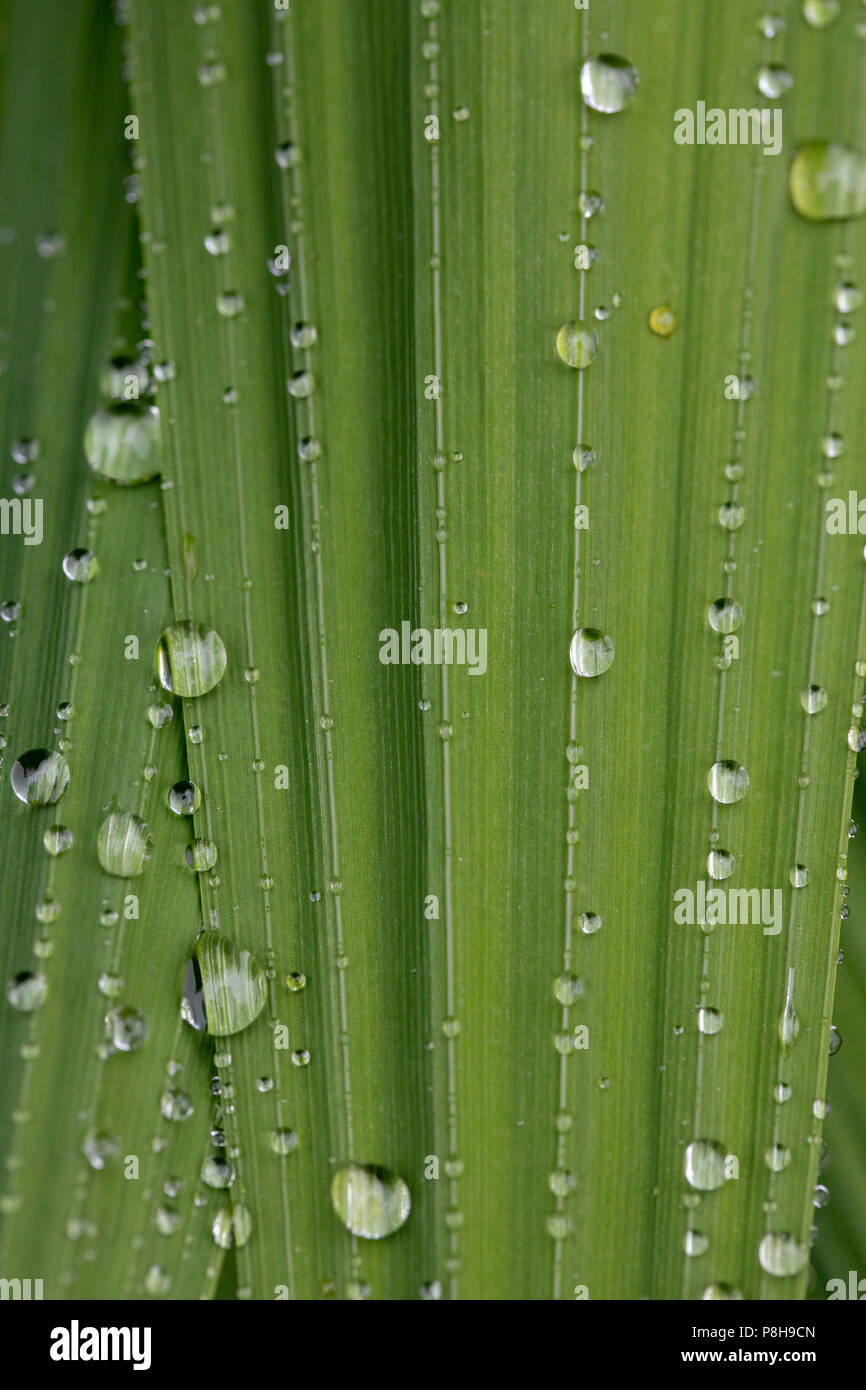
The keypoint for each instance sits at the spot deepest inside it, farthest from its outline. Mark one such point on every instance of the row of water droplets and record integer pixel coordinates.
(431, 11)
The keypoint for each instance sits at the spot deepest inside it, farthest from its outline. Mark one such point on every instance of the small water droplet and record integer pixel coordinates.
(662, 320)
(303, 335)
(725, 615)
(774, 80)
(201, 855)
(710, 1020)
(26, 991)
(695, 1243)
(813, 699)
(58, 839)
(80, 565)
(283, 1142)
(720, 864)
(125, 1028)
(232, 1226)
(704, 1165)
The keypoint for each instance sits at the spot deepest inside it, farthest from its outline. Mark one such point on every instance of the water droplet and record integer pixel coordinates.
(590, 923)
(229, 303)
(820, 606)
(821, 13)
(217, 242)
(10, 611)
(110, 985)
(774, 80)
(828, 181)
(288, 156)
(191, 659)
(608, 83)
(710, 1020)
(201, 855)
(728, 782)
(25, 450)
(799, 876)
(567, 989)
(301, 1057)
(782, 1092)
(122, 443)
(175, 1104)
(725, 615)
(231, 1226)
(184, 798)
(160, 715)
(300, 385)
(591, 204)
(80, 565)
(591, 652)
(821, 1196)
(576, 345)
(583, 457)
(720, 863)
(832, 445)
(714, 1292)
(283, 1142)
(695, 1243)
(371, 1201)
(58, 839)
(217, 1172)
(662, 320)
(303, 335)
(782, 1255)
(705, 1165)
(777, 1157)
(126, 1028)
(123, 844)
(309, 449)
(99, 1148)
(847, 297)
(731, 516)
(844, 334)
(26, 991)
(813, 699)
(210, 74)
(224, 988)
(835, 1040)
(39, 778)
(296, 981)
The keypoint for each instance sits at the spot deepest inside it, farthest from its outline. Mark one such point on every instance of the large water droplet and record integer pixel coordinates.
(728, 782)
(576, 345)
(710, 1020)
(782, 1255)
(370, 1201)
(191, 659)
(217, 1172)
(201, 855)
(40, 777)
(705, 1165)
(123, 844)
(122, 443)
(828, 181)
(224, 989)
(608, 83)
(591, 652)
(58, 839)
